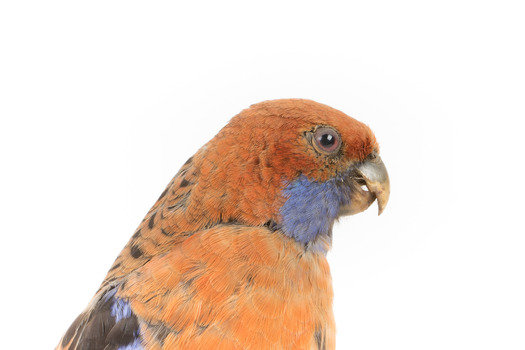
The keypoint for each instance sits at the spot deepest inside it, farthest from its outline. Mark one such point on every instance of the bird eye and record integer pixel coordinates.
(327, 140)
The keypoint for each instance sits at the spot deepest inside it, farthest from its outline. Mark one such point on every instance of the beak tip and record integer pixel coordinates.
(380, 210)
(382, 198)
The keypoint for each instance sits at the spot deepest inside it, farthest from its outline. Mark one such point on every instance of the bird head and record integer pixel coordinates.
(294, 163)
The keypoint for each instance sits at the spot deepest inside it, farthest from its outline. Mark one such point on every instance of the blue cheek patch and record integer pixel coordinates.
(312, 207)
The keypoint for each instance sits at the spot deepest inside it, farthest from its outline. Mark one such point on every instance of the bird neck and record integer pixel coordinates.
(310, 210)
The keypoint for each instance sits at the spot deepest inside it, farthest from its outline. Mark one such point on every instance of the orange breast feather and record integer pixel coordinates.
(233, 285)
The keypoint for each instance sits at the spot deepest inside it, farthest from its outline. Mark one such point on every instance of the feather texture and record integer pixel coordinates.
(233, 253)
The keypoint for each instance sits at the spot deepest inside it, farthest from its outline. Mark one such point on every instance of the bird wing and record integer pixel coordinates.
(219, 288)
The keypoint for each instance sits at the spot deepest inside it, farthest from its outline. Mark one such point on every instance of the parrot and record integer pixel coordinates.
(233, 254)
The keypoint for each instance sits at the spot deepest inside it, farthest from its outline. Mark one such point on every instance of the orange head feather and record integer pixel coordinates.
(241, 174)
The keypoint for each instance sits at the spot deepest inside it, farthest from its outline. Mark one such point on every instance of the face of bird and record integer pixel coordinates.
(300, 164)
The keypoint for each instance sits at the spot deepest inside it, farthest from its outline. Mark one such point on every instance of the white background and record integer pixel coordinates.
(102, 101)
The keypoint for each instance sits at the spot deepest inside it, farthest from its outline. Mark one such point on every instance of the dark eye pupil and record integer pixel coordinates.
(327, 140)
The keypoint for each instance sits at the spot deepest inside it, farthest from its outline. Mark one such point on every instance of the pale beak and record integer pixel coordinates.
(369, 181)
